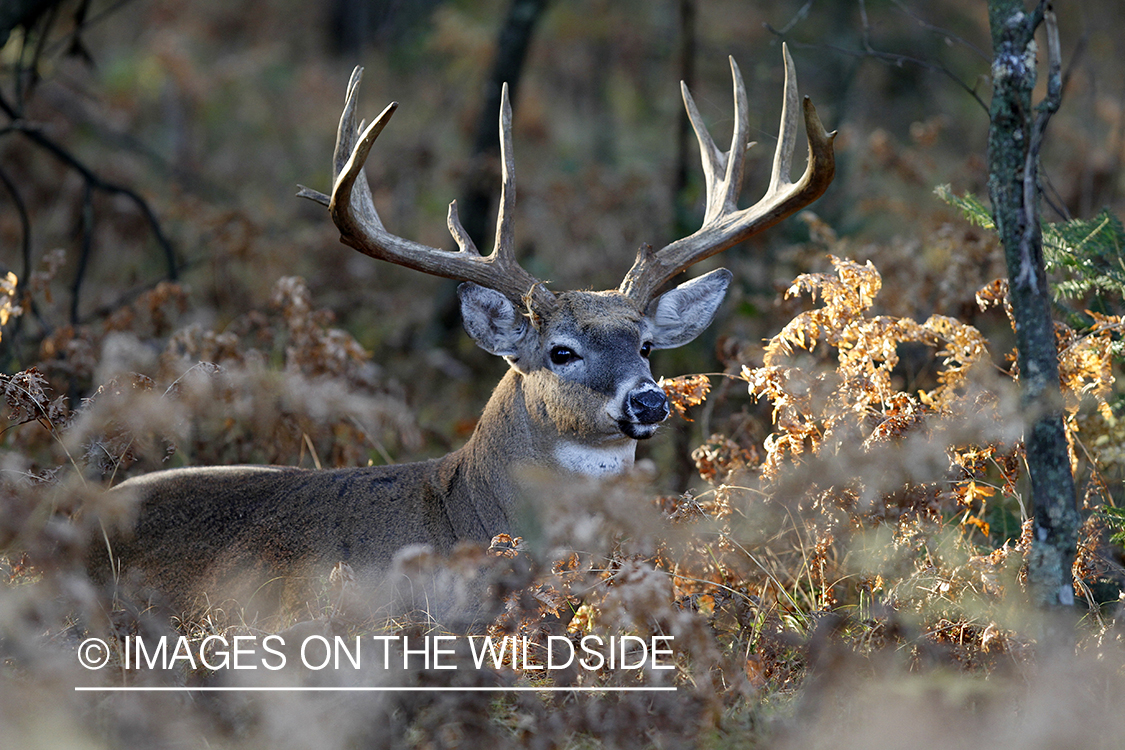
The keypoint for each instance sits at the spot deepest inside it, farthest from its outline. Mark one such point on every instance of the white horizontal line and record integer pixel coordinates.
(367, 689)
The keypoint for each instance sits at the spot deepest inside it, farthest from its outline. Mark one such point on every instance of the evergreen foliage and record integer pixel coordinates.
(1086, 256)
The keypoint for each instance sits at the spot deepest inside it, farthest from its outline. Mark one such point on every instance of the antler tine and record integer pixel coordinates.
(712, 159)
(348, 159)
(504, 246)
(347, 134)
(354, 214)
(723, 224)
(721, 171)
(787, 130)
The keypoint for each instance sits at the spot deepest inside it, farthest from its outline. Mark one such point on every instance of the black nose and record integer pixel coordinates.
(649, 405)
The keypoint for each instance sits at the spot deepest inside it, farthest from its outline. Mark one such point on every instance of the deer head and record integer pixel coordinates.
(583, 356)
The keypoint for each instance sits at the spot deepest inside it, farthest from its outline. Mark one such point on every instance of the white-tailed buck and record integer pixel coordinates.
(578, 396)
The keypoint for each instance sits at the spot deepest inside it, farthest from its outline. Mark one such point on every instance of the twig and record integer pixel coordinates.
(87, 232)
(87, 23)
(25, 223)
(949, 35)
(44, 421)
(799, 16)
(890, 58)
(1047, 107)
(25, 251)
(93, 180)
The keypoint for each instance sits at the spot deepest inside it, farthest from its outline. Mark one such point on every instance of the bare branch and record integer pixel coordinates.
(944, 33)
(25, 223)
(890, 58)
(1047, 107)
(97, 183)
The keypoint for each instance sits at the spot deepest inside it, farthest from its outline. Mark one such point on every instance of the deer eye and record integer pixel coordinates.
(561, 355)
(646, 349)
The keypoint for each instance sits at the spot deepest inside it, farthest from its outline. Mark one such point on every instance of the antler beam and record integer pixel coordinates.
(723, 224)
(354, 214)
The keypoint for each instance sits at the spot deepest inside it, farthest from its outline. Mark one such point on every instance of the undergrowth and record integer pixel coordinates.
(878, 529)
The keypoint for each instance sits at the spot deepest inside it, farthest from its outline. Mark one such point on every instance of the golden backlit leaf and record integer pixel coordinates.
(504, 545)
(8, 308)
(685, 391)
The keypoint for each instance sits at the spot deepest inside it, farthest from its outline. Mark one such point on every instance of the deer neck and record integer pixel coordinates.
(519, 426)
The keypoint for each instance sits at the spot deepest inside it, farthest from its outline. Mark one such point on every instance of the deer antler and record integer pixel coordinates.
(353, 212)
(723, 224)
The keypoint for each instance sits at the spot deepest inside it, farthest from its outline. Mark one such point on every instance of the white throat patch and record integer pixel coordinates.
(594, 461)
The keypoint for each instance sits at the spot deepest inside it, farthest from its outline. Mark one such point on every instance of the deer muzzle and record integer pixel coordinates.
(645, 407)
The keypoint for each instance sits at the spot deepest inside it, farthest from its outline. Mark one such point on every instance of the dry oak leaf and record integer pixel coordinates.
(503, 545)
(685, 391)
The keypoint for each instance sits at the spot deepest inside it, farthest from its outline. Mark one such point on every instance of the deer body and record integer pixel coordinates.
(581, 413)
(578, 396)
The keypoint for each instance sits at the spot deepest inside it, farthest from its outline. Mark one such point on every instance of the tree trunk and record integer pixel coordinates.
(480, 190)
(482, 187)
(1014, 138)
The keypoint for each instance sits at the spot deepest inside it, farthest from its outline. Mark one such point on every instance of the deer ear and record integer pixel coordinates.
(492, 320)
(681, 314)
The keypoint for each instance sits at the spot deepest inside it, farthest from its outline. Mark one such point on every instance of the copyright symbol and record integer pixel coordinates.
(93, 653)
